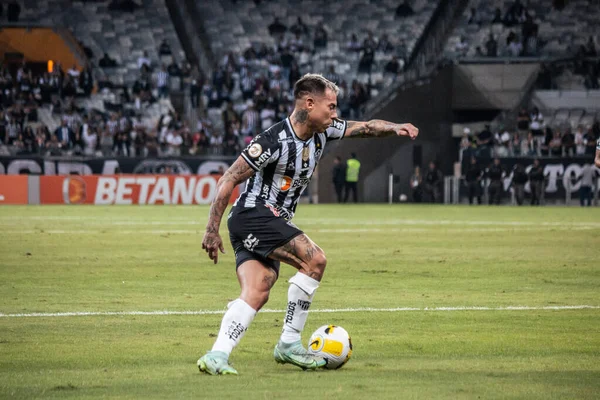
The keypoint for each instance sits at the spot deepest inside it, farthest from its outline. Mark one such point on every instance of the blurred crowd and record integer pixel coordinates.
(531, 138)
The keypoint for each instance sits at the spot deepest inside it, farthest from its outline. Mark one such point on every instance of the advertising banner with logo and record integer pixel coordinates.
(129, 189)
(113, 165)
(14, 189)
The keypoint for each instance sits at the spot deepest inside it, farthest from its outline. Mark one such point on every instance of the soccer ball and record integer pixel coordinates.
(333, 344)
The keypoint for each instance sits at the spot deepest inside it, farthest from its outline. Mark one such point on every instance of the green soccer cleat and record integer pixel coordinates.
(294, 353)
(215, 363)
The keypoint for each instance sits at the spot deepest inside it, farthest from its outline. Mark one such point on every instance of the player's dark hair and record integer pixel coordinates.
(314, 84)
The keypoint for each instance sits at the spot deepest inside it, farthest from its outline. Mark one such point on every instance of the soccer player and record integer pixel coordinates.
(279, 164)
(597, 158)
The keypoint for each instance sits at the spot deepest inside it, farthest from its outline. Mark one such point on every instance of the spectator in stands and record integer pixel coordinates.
(497, 16)
(523, 120)
(473, 180)
(162, 82)
(299, 27)
(357, 98)
(107, 62)
(590, 48)
(579, 141)
(174, 142)
(353, 44)
(402, 51)
(462, 47)
(73, 72)
(515, 144)
(568, 143)
(514, 48)
(384, 45)
(320, 38)
(366, 60)
(474, 18)
(144, 60)
(89, 136)
(529, 32)
(86, 80)
(515, 14)
(501, 144)
(491, 46)
(591, 78)
(404, 10)
(495, 189)
(392, 67)
(276, 28)
(519, 180)
(164, 49)
(555, 145)
(536, 181)
(433, 182)
(416, 185)
(64, 134)
(332, 75)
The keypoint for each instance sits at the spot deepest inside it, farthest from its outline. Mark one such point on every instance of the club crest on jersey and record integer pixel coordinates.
(337, 124)
(255, 150)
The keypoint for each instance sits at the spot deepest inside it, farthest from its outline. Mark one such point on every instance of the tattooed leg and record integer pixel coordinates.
(302, 254)
(256, 281)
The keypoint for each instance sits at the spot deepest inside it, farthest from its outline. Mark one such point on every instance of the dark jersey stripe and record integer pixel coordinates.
(289, 172)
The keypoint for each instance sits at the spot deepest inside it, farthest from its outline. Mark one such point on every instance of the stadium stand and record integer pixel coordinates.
(118, 42)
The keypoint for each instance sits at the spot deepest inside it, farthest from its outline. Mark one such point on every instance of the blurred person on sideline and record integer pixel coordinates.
(339, 178)
(352, 172)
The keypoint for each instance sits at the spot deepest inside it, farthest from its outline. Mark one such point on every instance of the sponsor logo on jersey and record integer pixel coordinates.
(288, 183)
(255, 150)
(263, 157)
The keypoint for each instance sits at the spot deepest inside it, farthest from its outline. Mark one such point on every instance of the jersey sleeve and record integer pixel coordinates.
(261, 151)
(336, 130)
(598, 145)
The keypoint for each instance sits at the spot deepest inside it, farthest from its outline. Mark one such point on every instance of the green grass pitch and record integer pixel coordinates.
(440, 278)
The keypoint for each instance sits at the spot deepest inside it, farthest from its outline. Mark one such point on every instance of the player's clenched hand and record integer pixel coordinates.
(408, 130)
(212, 243)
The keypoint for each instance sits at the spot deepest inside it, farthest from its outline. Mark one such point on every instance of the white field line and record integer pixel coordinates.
(301, 221)
(325, 310)
(114, 231)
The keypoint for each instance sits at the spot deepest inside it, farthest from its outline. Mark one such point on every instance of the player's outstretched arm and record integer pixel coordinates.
(597, 159)
(379, 128)
(236, 174)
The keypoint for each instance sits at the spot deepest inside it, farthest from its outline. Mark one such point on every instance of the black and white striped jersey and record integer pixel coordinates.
(284, 165)
(598, 145)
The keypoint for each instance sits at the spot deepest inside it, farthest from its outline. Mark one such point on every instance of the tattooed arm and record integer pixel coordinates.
(379, 128)
(236, 174)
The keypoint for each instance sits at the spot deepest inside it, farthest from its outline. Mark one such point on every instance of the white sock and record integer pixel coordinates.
(300, 295)
(235, 323)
